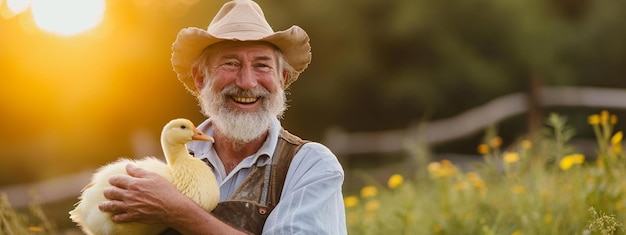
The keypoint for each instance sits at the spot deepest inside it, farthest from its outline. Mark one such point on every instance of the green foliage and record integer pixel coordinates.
(382, 64)
(543, 186)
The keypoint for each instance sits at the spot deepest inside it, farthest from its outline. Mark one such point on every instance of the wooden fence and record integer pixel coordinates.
(471, 121)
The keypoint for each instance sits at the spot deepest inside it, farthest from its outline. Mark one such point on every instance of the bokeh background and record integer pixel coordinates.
(83, 82)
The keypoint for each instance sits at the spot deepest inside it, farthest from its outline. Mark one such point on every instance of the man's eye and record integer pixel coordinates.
(262, 66)
(230, 64)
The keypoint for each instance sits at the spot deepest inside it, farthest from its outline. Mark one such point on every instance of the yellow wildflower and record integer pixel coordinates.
(604, 117)
(616, 142)
(368, 191)
(569, 160)
(495, 142)
(518, 189)
(477, 182)
(445, 168)
(510, 157)
(35, 229)
(578, 158)
(394, 181)
(593, 119)
(617, 148)
(372, 205)
(516, 232)
(483, 148)
(475, 179)
(613, 119)
(351, 201)
(433, 167)
(617, 138)
(526, 144)
(565, 164)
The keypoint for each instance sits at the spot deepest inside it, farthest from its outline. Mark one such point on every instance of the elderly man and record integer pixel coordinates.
(271, 181)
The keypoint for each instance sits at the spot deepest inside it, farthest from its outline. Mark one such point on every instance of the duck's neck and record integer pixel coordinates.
(171, 150)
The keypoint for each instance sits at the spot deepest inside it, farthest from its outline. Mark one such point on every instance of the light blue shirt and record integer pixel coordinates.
(311, 201)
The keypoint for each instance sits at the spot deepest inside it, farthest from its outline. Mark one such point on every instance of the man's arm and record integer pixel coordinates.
(146, 197)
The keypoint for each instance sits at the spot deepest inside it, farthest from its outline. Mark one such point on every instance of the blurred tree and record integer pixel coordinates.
(384, 64)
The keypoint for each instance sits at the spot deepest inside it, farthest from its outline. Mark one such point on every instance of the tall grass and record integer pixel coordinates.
(540, 185)
(14, 222)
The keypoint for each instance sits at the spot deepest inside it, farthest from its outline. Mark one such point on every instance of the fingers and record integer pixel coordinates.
(137, 174)
(118, 211)
(114, 207)
(135, 171)
(120, 181)
(114, 193)
(122, 218)
(123, 181)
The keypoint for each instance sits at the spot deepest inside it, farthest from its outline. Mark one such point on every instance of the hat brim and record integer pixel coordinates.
(190, 42)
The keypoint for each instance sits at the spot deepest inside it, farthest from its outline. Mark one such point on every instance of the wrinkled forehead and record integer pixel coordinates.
(226, 47)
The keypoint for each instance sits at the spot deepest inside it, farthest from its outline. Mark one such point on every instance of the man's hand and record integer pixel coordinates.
(146, 197)
(141, 196)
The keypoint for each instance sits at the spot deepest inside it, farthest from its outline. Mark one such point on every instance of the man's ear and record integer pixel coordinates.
(283, 79)
(198, 78)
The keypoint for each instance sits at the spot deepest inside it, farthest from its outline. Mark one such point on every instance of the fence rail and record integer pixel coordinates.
(471, 121)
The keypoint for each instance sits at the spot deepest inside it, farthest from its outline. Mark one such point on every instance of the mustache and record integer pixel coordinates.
(232, 90)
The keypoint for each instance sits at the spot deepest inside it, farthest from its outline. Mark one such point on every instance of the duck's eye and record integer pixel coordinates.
(183, 127)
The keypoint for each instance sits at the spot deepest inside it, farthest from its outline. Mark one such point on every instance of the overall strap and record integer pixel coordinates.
(287, 147)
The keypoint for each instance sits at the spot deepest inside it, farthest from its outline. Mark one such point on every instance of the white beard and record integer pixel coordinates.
(241, 126)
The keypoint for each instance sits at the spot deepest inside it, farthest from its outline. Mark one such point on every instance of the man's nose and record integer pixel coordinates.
(246, 80)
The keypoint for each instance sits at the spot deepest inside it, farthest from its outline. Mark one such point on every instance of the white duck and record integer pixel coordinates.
(191, 176)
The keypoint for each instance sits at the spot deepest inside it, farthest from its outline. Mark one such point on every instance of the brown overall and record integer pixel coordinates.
(249, 206)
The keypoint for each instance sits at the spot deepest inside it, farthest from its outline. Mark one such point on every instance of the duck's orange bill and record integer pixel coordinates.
(198, 135)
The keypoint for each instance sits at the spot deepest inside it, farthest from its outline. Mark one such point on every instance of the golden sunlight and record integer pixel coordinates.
(67, 17)
(17, 6)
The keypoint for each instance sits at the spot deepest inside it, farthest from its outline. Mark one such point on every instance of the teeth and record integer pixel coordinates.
(245, 100)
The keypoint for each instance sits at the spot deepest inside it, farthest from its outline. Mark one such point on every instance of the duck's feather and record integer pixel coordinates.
(92, 220)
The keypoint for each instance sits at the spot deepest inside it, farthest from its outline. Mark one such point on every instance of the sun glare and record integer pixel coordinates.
(17, 6)
(67, 17)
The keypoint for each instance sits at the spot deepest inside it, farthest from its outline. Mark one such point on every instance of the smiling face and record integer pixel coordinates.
(241, 88)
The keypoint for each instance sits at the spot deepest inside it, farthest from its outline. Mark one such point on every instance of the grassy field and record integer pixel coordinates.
(540, 185)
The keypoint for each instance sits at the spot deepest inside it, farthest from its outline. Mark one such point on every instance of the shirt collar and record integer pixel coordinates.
(204, 149)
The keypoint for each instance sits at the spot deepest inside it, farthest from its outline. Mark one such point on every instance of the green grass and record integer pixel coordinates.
(539, 186)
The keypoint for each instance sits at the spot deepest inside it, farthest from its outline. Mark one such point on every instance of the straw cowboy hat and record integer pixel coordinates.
(239, 20)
